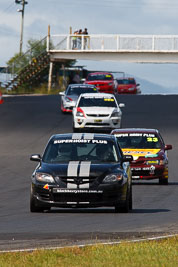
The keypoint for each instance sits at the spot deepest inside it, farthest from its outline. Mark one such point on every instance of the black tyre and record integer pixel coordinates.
(33, 206)
(163, 181)
(127, 205)
(75, 130)
(130, 199)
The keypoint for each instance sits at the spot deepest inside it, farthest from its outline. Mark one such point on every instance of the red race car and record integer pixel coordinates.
(104, 81)
(148, 150)
(127, 86)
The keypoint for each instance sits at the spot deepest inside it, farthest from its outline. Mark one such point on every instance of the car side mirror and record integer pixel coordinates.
(122, 105)
(137, 84)
(61, 93)
(127, 158)
(83, 80)
(35, 157)
(168, 147)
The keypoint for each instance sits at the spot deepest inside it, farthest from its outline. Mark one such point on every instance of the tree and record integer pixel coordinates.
(33, 60)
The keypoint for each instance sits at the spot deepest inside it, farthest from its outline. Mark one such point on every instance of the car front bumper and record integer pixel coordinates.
(67, 106)
(146, 172)
(103, 195)
(94, 122)
(127, 91)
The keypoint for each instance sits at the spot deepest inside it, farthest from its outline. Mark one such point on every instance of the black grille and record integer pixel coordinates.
(97, 124)
(97, 115)
(70, 197)
(78, 180)
(146, 172)
(44, 196)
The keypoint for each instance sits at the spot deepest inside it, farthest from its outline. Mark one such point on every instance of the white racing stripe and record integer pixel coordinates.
(77, 136)
(70, 180)
(71, 186)
(89, 136)
(72, 168)
(86, 186)
(85, 169)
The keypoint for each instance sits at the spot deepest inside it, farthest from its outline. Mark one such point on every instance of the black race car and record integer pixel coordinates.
(81, 170)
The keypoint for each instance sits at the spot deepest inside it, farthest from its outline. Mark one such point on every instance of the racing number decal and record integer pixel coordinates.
(152, 139)
(108, 99)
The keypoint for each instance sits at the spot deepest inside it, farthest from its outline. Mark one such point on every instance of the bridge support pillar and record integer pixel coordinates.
(50, 76)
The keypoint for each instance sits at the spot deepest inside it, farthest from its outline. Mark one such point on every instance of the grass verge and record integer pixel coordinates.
(32, 90)
(161, 253)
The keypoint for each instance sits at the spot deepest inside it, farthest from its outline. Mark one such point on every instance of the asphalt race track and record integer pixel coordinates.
(26, 123)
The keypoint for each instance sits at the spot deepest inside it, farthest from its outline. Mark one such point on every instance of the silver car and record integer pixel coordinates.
(70, 96)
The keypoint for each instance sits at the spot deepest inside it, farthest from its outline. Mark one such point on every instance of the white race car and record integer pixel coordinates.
(97, 110)
(72, 93)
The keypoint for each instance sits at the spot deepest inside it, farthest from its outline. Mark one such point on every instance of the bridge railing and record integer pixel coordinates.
(113, 43)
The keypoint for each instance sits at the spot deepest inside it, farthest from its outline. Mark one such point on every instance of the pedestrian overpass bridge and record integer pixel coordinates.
(114, 47)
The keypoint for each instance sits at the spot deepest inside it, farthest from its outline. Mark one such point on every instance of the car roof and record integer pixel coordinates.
(134, 130)
(97, 94)
(125, 78)
(85, 136)
(77, 85)
(95, 73)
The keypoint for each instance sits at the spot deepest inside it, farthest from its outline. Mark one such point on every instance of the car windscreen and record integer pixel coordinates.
(97, 102)
(96, 151)
(104, 77)
(139, 140)
(81, 90)
(125, 81)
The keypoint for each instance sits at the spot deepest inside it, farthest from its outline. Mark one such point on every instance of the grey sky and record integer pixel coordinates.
(100, 17)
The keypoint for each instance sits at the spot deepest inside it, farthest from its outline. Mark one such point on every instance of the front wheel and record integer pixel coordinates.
(127, 205)
(75, 130)
(163, 181)
(33, 206)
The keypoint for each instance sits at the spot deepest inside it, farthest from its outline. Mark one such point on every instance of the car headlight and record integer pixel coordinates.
(113, 178)
(68, 99)
(44, 177)
(110, 83)
(162, 162)
(115, 114)
(79, 114)
(131, 89)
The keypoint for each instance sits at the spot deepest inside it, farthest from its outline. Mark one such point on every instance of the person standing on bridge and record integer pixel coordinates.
(74, 40)
(79, 39)
(85, 32)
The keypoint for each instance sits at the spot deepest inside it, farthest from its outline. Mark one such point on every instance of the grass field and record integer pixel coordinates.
(161, 253)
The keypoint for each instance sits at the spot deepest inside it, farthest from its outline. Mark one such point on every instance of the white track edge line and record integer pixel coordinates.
(89, 244)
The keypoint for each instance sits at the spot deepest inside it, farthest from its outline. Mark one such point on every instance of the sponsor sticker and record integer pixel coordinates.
(109, 99)
(84, 141)
(152, 162)
(76, 191)
(137, 134)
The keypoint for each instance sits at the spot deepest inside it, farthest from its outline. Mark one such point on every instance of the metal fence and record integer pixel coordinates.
(113, 43)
